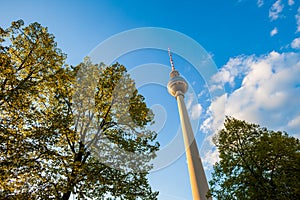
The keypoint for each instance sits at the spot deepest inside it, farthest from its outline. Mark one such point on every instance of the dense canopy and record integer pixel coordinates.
(255, 163)
(69, 130)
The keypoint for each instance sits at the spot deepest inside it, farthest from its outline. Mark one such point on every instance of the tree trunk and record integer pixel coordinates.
(66, 195)
(72, 180)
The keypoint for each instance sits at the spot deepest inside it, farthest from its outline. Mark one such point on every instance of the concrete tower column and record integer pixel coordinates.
(177, 87)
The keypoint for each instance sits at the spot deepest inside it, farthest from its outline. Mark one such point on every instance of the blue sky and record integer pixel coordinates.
(254, 44)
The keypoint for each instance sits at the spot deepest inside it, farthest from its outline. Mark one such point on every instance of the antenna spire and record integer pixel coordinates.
(171, 60)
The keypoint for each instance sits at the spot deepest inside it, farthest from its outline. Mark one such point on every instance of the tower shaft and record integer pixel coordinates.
(198, 180)
(177, 87)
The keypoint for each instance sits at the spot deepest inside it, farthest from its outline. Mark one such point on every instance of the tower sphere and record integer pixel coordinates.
(177, 85)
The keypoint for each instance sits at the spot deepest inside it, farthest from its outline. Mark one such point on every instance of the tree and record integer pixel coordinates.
(69, 130)
(255, 163)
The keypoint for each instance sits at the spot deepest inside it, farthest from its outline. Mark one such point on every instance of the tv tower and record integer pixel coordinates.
(177, 87)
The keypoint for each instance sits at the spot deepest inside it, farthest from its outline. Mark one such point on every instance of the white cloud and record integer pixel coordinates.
(228, 73)
(210, 157)
(196, 111)
(193, 107)
(189, 100)
(274, 31)
(210, 55)
(275, 10)
(296, 43)
(294, 123)
(209, 153)
(268, 95)
(291, 2)
(297, 16)
(216, 111)
(202, 93)
(260, 3)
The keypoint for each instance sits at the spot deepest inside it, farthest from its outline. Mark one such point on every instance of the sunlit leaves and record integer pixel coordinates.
(111, 130)
(67, 129)
(32, 117)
